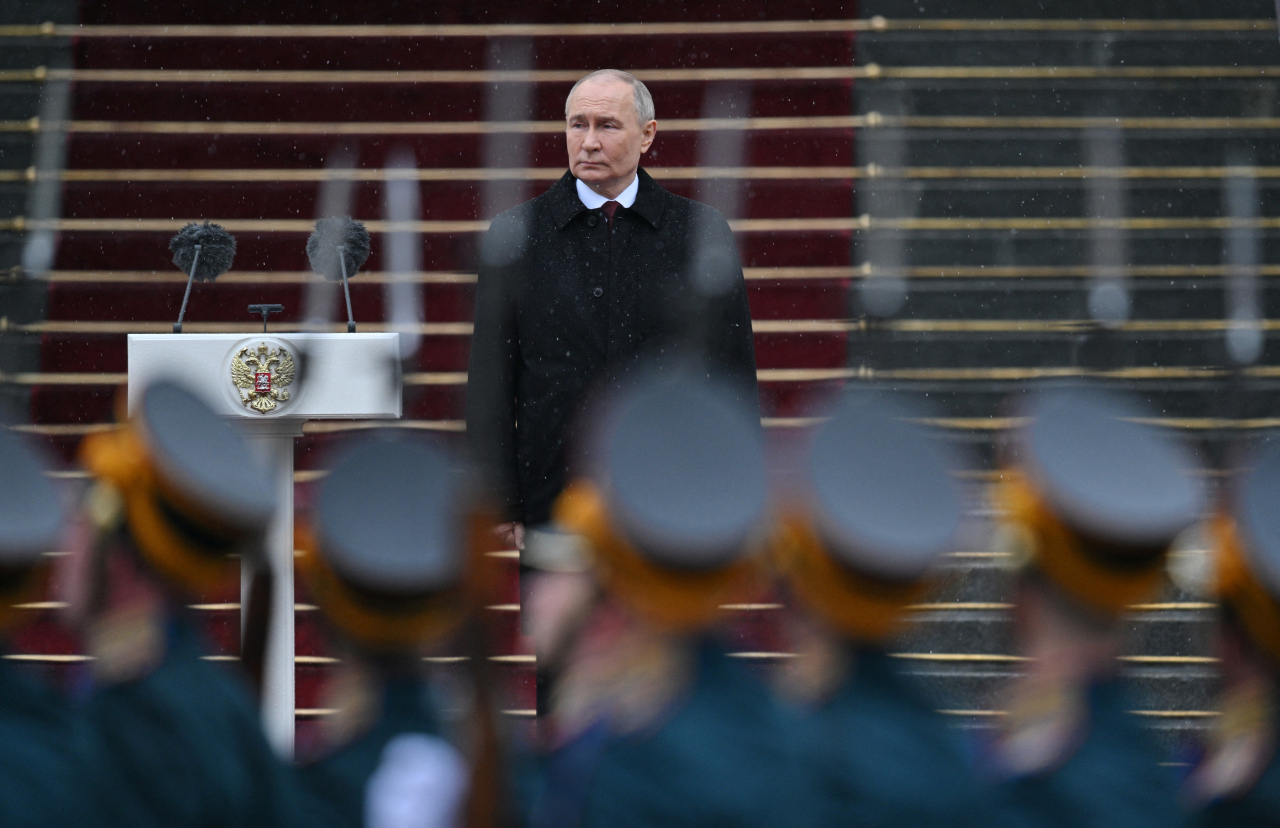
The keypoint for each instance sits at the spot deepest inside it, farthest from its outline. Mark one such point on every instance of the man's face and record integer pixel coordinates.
(605, 137)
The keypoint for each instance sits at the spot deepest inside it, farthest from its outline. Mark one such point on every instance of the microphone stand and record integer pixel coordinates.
(346, 290)
(195, 262)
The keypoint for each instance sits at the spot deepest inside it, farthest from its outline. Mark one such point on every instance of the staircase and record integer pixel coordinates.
(988, 134)
(922, 140)
(21, 300)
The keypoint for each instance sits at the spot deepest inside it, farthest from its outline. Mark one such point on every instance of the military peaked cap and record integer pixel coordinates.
(31, 514)
(203, 459)
(883, 496)
(681, 468)
(1108, 476)
(388, 518)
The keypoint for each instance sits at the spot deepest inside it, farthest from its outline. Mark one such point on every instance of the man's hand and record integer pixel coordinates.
(511, 534)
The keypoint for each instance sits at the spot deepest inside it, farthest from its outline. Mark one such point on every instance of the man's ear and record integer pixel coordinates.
(648, 133)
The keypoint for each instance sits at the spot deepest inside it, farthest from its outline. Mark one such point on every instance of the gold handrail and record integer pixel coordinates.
(816, 224)
(871, 120)
(871, 71)
(433, 174)
(871, 24)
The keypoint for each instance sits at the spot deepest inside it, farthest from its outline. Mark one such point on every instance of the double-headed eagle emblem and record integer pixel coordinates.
(262, 375)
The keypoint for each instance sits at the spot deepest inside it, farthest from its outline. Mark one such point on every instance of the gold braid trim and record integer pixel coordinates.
(676, 600)
(431, 620)
(1059, 554)
(120, 457)
(1258, 612)
(865, 609)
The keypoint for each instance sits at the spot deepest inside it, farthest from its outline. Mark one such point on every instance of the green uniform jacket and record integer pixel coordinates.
(42, 778)
(183, 747)
(1256, 808)
(1113, 780)
(342, 777)
(879, 754)
(721, 759)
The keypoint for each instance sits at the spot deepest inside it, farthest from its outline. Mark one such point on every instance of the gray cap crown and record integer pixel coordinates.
(684, 477)
(388, 517)
(31, 513)
(1107, 475)
(204, 458)
(883, 494)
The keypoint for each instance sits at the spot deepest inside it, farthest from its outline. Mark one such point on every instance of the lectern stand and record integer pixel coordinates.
(270, 384)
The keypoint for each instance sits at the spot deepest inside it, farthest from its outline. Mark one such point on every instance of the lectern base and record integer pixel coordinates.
(274, 441)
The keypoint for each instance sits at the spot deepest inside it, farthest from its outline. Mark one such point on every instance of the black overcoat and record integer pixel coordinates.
(566, 309)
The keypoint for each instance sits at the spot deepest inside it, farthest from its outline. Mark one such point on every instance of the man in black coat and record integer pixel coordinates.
(603, 272)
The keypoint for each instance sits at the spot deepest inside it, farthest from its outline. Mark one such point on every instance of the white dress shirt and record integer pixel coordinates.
(595, 201)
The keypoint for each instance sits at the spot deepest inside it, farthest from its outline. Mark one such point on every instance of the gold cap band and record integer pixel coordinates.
(674, 599)
(1254, 606)
(432, 618)
(120, 458)
(865, 609)
(1060, 553)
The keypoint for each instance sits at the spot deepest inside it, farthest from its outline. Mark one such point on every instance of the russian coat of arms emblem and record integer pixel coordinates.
(262, 374)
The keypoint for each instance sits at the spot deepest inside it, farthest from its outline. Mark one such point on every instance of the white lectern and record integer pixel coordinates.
(270, 384)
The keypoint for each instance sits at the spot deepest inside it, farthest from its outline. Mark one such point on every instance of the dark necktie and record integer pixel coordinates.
(609, 208)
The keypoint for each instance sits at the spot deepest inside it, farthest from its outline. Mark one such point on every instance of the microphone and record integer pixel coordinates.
(337, 249)
(203, 252)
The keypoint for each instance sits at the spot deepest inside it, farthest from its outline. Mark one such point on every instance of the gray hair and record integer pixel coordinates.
(640, 93)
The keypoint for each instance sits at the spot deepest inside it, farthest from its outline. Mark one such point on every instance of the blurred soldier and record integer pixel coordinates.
(874, 508)
(1239, 776)
(176, 493)
(1093, 499)
(386, 561)
(650, 722)
(41, 782)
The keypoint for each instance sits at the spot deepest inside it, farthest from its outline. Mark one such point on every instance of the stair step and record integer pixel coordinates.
(1081, 14)
(1072, 48)
(1069, 199)
(407, 101)
(214, 145)
(1068, 148)
(347, 50)
(713, 16)
(441, 201)
(973, 199)
(441, 251)
(442, 302)
(1208, 98)
(978, 247)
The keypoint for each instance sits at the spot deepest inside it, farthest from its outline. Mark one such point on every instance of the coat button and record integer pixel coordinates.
(591, 220)
(598, 292)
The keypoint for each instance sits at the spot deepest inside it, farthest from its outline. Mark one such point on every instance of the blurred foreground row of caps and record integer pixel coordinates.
(388, 524)
(675, 489)
(675, 484)
(677, 507)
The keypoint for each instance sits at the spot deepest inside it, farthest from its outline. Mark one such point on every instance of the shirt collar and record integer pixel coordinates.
(565, 204)
(595, 201)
